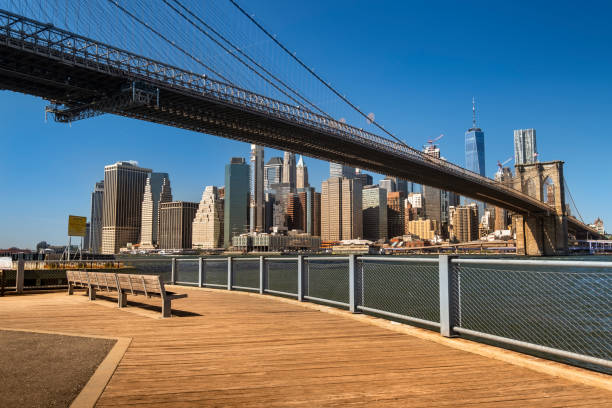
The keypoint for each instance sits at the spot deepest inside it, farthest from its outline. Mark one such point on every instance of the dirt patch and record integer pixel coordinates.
(46, 370)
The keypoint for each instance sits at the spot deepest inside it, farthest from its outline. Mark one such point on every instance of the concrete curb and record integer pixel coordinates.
(540, 365)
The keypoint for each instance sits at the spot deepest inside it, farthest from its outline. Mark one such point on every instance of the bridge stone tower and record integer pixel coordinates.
(543, 233)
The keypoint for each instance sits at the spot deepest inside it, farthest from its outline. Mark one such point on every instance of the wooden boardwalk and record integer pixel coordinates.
(228, 349)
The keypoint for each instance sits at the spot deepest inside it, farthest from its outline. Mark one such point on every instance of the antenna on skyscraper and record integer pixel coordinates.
(473, 112)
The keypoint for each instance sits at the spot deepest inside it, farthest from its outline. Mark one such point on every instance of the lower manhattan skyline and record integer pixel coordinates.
(49, 169)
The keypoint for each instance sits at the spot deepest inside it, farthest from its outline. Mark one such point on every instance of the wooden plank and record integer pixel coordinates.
(226, 349)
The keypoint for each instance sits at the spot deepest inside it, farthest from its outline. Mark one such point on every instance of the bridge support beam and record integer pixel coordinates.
(541, 235)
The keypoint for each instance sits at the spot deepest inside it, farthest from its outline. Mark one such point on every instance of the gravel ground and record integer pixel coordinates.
(46, 370)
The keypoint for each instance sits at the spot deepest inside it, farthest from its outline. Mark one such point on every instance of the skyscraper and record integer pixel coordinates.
(124, 185)
(464, 223)
(150, 208)
(435, 201)
(340, 170)
(289, 170)
(207, 229)
(388, 184)
(403, 186)
(365, 178)
(474, 146)
(175, 224)
(395, 213)
(374, 205)
(352, 215)
(95, 222)
(273, 173)
(236, 204)
(331, 209)
(525, 149)
(301, 174)
(257, 204)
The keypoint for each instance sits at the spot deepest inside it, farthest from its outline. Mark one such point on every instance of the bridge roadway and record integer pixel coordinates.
(84, 78)
(240, 349)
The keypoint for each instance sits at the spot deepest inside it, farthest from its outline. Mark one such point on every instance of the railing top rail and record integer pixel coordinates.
(397, 259)
(533, 262)
(327, 258)
(282, 259)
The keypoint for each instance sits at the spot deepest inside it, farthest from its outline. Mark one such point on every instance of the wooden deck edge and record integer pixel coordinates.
(541, 365)
(92, 390)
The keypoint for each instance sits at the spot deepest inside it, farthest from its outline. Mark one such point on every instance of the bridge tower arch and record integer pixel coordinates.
(542, 233)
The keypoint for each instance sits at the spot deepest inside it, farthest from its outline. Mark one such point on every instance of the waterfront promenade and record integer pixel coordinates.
(238, 349)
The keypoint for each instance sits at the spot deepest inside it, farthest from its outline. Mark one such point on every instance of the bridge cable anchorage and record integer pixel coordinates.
(239, 51)
(239, 59)
(303, 65)
(172, 43)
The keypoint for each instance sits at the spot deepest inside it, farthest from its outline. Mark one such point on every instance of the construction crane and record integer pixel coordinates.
(430, 142)
(501, 165)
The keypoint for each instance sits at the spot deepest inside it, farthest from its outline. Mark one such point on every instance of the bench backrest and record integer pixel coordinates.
(141, 284)
(150, 285)
(78, 277)
(103, 280)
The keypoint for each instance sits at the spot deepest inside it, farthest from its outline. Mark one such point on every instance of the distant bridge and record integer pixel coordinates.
(83, 77)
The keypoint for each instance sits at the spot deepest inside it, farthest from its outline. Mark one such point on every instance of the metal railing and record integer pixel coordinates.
(554, 309)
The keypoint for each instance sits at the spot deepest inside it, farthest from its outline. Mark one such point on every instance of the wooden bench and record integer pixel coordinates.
(77, 280)
(124, 285)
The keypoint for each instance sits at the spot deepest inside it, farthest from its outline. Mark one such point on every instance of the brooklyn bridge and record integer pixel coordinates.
(85, 75)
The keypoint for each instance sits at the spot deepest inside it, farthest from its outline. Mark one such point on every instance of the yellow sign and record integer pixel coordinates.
(77, 226)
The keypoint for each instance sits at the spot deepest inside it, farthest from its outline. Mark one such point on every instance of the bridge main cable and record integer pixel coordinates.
(238, 50)
(338, 94)
(163, 37)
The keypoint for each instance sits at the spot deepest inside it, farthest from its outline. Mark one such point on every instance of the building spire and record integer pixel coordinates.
(473, 112)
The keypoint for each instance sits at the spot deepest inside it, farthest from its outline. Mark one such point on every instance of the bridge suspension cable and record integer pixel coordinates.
(572, 200)
(232, 53)
(307, 68)
(163, 37)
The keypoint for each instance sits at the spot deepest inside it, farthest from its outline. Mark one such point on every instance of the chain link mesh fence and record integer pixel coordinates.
(44, 279)
(282, 275)
(148, 266)
(566, 308)
(327, 279)
(215, 271)
(187, 271)
(406, 288)
(245, 273)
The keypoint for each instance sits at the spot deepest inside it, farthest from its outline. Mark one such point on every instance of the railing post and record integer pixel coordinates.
(229, 272)
(19, 278)
(200, 271)
(300, 277)
(448, 296)
(173, 272)
(262, 275)
(353, 287)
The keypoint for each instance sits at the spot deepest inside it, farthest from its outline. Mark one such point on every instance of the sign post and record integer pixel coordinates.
(77, 227)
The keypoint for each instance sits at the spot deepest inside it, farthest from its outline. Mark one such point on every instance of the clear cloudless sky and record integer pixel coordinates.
(545, 65)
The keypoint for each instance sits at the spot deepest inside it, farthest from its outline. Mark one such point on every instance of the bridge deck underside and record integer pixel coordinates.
(73, 85)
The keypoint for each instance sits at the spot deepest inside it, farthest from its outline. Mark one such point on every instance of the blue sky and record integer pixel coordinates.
(546, 65)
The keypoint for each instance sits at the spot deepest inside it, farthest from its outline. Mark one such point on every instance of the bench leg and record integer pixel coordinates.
(92, 293)
(166, 308)
(121, 299)
(70, 289)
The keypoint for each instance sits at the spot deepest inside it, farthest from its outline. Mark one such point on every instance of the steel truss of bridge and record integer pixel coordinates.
(82, 78)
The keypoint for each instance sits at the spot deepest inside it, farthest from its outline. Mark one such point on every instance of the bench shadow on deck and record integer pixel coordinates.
(238, 349)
